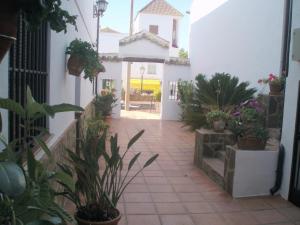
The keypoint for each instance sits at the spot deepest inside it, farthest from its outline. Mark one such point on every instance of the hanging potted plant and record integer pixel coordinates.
(275, 83)
(99, 186)
(248, 124)
(217, 119)
(83, 58)
(34, 12)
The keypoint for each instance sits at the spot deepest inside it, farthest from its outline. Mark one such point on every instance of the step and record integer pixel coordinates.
(214, 168)
(221, 155)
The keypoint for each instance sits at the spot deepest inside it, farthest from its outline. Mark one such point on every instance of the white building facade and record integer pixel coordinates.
(61, 86)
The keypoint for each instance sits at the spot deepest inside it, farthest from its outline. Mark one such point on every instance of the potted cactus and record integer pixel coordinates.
(34, 12)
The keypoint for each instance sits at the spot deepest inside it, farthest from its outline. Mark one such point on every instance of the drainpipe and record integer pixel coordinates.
(284, 68)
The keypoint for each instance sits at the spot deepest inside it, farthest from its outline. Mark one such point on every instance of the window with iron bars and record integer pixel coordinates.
(173, 91)
(28, 67)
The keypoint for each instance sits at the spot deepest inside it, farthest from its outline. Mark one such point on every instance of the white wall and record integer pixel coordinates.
(135, 71)
(165, 27)
(114, 72)
(61, 84)
(255, 173)
(4, 94)
(239, 37)
(109, 42)
(170, 109)
(144, 48)
(290, 109)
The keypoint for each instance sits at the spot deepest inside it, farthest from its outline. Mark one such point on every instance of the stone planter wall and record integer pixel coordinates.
(208, 143)
(274, 105)
(249, 173)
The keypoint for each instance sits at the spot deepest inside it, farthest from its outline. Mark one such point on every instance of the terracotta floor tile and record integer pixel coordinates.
(156, 180)
(164, 197)
(186, 188)
(208, 219)
(292, 213)
(140, 208)
(176, 220)
(269, 216)
(190, 197)
(173, 191)
(170, 208)
(137, 197)
(199, 207)
(134, 188)
(161, 188)
(239, 218)
(143, 220)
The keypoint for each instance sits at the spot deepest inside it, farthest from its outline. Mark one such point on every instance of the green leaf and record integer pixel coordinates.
(35, 109)
(135, 138)
(43, 146)
(133, 160)
(66, 180)
(151, 160)
(41, 222)
(12, 106)
(66, 108)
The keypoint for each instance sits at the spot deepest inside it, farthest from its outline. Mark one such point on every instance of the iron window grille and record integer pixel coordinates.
(173, 88)
(28, 67)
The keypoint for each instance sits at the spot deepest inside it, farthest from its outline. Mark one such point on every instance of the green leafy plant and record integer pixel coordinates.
(249, 120)
(216, 115)
(222, 92)
(38, 200)
(183, 54)
(99, 186)
(38, 11)
(104, 103)
(85, 51)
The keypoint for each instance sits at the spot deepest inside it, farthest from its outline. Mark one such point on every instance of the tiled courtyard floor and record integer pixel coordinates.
(173, 192)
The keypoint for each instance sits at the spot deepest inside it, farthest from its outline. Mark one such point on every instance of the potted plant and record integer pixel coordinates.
(104, 103)
(37, 203)
(34, 12)
(275, 83)
(248, 124)
(83, 58)
(101, 177)
(217, 119)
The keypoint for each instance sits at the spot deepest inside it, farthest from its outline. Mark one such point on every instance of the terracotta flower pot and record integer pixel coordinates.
(275, 88)
(75, 65)
(251, 143)
(8, 27)
(111, 222)
(219, 126)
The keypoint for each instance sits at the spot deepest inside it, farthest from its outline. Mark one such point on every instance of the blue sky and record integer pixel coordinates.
(117, 16)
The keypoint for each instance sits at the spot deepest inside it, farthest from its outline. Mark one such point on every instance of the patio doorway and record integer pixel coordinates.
(295, 179)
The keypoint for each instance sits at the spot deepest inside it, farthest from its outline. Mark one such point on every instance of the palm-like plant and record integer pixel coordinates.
(99, 186)
(221, 91)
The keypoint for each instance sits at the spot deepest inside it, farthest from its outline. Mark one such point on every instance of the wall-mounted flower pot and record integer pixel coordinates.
(111, 222)
(8, 27)
(75, 65)
(219, 126)
(275, 88)
(251, 143)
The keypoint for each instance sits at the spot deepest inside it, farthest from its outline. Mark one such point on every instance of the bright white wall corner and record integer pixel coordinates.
(170, 109)
(4, 94)
(239, 37)
(290, 109)
(114, 72)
